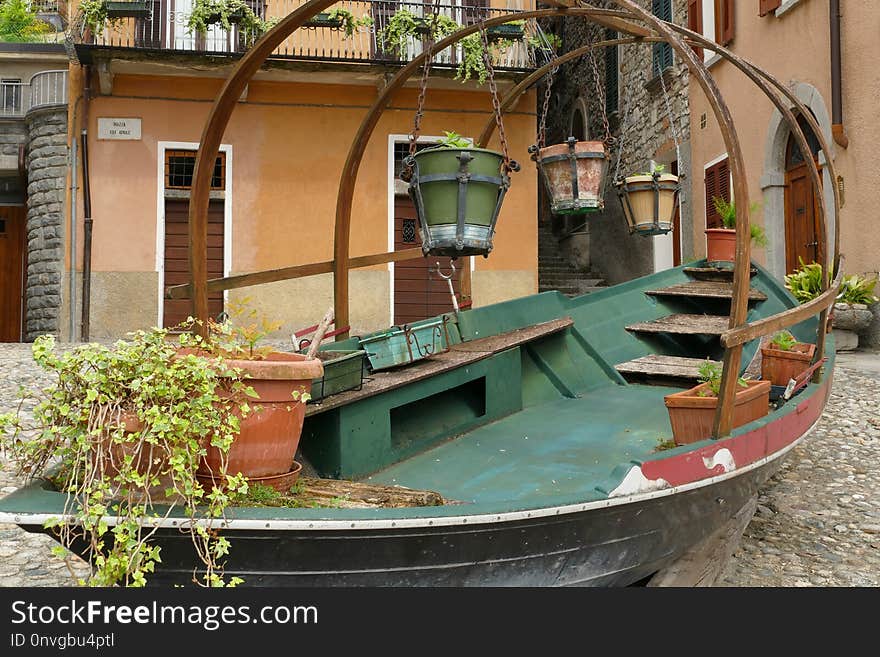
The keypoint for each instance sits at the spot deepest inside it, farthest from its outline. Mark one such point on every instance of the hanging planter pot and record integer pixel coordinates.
(129, 9)
(457, 194)
(649, 202)
(323, 19)
(574, 175)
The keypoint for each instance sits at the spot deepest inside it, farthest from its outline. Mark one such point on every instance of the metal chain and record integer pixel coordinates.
(542, 126)
(624, 126)
(600, 95)
(509, 165)
(672, 123)
(423, 88)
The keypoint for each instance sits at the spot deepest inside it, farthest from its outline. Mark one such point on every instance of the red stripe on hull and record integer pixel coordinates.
(745, 449)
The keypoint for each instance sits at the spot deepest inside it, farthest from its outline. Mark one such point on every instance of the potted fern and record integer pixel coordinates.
(784, 358)
(692, 412)
(721, 242)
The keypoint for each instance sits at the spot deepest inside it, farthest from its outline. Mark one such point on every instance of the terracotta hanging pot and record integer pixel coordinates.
(269, 436)
(574, 175)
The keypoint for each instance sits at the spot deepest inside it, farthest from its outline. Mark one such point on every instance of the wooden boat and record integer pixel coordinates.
(540, 427)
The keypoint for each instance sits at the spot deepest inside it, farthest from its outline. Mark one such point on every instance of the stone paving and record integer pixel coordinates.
(817, 523)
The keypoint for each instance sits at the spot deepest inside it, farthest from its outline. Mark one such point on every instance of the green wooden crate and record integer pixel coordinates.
(343, 370)
(401, 345)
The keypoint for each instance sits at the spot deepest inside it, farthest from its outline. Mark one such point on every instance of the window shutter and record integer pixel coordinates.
(695, 21)
(767, 6)
(725, 22)
(717, 184)
(662, 52)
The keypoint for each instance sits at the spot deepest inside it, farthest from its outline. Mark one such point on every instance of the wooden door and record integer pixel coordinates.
(12, 256)
(419, 292)
(801, 222)
(177, 257)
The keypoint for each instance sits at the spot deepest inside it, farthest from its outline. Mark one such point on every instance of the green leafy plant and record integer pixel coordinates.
(657, 169)
(710, 374)
(857, 289)
(349, 23)
(783, 340)
(94, 15)
(224, 13)
(805, 283)
(19, 23)
(727, 212)
(549, 40)
(233, 338)
(454, 140)
(129, 424)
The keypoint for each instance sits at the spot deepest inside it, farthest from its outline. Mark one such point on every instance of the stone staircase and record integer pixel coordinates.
(555, 273)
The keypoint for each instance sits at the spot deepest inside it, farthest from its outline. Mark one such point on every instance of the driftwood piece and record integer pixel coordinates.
(323, 325)
(703, 564)
(312, 492)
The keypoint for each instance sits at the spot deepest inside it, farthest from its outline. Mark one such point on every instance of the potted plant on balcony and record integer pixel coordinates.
(692, 412)
(224, 13)
(128, 8)
(512, 31)
(122, 430)
(547, 44)
(457, 191)
(721, 242)
(784, 358)
(339, 19)
(649, 200)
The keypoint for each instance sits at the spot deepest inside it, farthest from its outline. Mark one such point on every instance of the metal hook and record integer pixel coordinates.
(448, 279)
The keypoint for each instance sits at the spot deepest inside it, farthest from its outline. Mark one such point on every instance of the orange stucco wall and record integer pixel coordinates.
(289, 141)
(795, 48)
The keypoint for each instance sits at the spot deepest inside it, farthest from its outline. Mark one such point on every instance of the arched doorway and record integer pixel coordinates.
(801, 203)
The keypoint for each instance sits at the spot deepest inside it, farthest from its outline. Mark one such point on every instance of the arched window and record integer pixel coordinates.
(793, 155)
(578, 125)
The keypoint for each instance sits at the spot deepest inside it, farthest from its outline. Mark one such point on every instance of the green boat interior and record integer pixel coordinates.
(539, 397)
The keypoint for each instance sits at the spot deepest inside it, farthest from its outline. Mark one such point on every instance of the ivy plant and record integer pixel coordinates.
(224, 13)
(19, 23)
(121, 431)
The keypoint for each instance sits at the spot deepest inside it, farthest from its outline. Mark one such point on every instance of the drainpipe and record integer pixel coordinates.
(87, 239)
(837, 129)
(72, 281)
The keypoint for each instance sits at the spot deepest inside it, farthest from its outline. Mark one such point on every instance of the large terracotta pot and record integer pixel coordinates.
(692, 417)
(269, 435)
(591, 164)
(778, 366)
(720, 245)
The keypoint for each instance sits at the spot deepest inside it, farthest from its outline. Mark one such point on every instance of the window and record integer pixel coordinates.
(717, 184)
(768, 6)
(611, 77)
(401, 151)
(662, 58)
(180, 165)
(10, 95)
(714, 19)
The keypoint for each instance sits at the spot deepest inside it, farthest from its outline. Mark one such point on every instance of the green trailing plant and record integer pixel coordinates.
(128, 424)
(224, 13)
(805, 283)
(857, 289)
(94, 15)
(710, 374)
(727, 212)
(549, 41)
(349, 24)
(19, 23)
(783, 340)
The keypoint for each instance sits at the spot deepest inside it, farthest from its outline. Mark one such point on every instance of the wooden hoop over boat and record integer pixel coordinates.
(549, 453)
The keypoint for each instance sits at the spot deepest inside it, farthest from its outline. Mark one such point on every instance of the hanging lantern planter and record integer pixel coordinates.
(574, 175)
(457, 193)
(650, 201)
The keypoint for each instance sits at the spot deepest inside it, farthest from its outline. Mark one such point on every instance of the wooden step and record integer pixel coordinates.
(704, 290)
(662, 367)
(683, 324)
(714, 273)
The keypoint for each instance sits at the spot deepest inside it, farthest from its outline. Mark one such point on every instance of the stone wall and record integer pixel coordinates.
(47, 161)
(641, 124)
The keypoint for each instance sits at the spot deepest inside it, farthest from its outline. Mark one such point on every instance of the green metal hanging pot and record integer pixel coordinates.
(457, 194)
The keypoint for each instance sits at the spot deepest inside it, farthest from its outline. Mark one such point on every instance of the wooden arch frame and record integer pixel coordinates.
(739, 332)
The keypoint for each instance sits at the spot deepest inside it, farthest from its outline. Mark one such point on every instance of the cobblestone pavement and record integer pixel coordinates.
(817, 523)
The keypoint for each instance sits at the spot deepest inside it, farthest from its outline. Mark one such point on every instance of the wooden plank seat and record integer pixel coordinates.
(714, 273)
(657, 366)
(684, 324)
(704, 290)
(458, 355)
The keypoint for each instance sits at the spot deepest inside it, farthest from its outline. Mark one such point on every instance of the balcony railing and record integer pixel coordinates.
(45, 89)
(165, 29)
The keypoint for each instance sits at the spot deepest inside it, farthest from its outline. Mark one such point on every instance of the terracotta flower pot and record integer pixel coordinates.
(269, 435)
(720, 245)
(591, 164)
(692, 417)
(778, 366)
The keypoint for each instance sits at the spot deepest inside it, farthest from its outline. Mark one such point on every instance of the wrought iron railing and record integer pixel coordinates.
(166, 29)
(45, 89)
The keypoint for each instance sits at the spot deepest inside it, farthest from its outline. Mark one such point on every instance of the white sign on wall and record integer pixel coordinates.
(125, 129)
